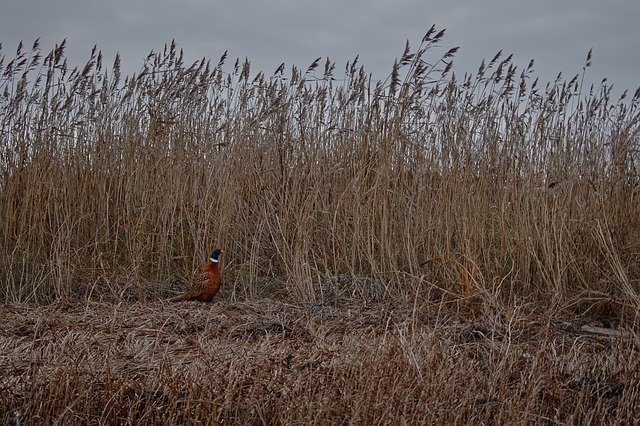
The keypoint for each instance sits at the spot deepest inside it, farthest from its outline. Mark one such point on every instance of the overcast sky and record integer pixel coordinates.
(556, 33)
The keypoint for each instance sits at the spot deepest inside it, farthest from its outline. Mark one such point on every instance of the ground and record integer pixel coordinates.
(268, 361)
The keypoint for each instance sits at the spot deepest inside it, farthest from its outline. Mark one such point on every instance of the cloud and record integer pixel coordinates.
(556, 34)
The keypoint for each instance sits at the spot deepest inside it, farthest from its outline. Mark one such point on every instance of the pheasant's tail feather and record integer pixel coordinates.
(180, 298)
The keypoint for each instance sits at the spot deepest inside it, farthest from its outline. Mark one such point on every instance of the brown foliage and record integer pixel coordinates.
(270, 362)
(125, 183)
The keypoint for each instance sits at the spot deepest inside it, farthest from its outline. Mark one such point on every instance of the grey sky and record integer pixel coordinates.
(556, 33)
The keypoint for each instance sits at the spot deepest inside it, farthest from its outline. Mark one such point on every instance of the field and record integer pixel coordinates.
(428, 248)
(272, 362)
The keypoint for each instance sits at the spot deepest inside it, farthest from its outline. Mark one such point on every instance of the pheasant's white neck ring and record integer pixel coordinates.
(213, 260)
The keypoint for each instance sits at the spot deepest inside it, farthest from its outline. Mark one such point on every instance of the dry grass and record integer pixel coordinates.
(457, 218)
(270, 362)
(123, 184)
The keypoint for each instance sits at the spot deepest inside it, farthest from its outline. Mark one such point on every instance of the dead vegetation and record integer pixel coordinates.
(427, 248)
(425, 179)
(272, 362)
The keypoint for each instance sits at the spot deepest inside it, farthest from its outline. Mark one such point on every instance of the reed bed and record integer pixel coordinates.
(270, 362)
(426, 248)
(489, 184)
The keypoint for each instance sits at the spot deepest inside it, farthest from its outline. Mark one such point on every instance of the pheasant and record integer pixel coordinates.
(206, 284)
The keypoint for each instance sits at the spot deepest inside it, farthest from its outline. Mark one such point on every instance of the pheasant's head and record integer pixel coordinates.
(214, 255)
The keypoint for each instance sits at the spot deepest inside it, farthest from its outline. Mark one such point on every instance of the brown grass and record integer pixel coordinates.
(128, 184)
(499, 202)
(270, 362)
